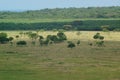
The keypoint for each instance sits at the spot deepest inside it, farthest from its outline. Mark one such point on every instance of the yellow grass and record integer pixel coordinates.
(71, 35)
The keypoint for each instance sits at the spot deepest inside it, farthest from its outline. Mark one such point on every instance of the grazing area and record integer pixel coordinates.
(60, 40)
(56, 61)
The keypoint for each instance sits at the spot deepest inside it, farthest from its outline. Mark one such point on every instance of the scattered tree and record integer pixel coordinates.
(17, 36)
(61, 36)
(99, 39)
(71, 45)
(3, 38)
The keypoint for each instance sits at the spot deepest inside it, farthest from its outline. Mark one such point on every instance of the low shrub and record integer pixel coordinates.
(21, 43)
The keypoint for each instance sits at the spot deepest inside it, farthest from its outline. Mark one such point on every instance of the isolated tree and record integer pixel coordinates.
(90, 44)
(3, 38)
(71, 45)
(17, 36)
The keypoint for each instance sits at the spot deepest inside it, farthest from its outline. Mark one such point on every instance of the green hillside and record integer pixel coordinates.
(91, 18)
(65, 13)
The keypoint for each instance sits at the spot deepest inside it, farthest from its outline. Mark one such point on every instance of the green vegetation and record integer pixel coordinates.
(19, 43)
(89, 25)
(3, 38)
(64, 13)
(44, 54)
(67, 18)
(99, 39)
(71, 44)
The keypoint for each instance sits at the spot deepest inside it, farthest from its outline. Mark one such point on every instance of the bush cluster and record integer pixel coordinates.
(99, 39)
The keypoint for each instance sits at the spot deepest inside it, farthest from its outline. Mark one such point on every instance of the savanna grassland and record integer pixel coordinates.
(57, 62)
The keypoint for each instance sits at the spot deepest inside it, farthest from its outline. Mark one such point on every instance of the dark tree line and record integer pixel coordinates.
(88, 25)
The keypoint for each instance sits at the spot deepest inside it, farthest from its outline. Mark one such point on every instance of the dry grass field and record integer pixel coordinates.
(72, 35)
(57, 62)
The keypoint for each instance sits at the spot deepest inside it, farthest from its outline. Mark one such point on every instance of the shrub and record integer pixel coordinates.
(61, 36)
(90, 44)
(10, 38)
(44, 42)
(3, 38)
(41, 37)
(105, 28)
(21, 43)
(17, 36)
(33, 36)
(100, 43)
(78, 42)
(96, 36)
(71, 45)
(53, 38)
(101, 37)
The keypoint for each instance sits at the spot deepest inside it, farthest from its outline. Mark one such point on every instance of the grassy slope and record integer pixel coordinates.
(49, 20)
(57, 62)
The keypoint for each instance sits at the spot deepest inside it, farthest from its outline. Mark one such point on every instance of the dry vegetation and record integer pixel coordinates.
(72, 35)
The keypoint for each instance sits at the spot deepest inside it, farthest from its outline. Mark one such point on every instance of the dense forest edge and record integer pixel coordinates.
(89, 19)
